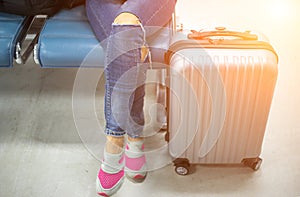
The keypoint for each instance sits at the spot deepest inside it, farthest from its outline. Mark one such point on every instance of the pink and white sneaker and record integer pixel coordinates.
(111, 174)
(135, 161)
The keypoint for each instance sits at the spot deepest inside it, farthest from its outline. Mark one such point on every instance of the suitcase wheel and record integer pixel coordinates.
(182, 170)
(182, 166)
(253, 163)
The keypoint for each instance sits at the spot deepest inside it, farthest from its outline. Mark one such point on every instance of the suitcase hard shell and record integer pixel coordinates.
(221, 85)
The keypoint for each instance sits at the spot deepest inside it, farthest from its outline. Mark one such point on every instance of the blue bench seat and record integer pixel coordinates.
(67, 40)
(10, 28)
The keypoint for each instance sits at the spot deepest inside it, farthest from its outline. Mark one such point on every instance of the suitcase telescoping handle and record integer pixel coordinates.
(221, 31)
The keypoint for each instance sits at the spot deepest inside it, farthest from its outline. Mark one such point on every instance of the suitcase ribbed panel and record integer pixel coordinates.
(239, 105)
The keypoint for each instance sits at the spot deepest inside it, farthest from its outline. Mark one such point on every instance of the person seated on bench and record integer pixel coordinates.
(122, 27)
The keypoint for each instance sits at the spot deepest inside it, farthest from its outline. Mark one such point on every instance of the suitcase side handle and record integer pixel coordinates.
(221, 31)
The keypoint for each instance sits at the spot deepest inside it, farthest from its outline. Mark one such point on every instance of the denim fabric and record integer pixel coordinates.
(102, 13)
(124, 71)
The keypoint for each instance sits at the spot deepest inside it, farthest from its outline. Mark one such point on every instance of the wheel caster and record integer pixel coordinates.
(253, 163)
(182, 166)
(182, 170)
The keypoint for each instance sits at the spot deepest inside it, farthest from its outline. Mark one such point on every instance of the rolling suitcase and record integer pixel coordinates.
(220, 88)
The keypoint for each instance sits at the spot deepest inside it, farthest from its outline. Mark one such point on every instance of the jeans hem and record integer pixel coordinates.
(114, 133)
(135, 136)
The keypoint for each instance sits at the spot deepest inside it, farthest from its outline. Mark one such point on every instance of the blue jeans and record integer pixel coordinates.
(124, 70)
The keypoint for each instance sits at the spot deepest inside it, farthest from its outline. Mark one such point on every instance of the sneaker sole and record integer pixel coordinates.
(136, 180)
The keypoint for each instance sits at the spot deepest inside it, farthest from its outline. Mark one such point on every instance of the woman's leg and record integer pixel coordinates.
(150, 14)
(101, 16)
(122, 73)
(125, 77)
(124, 113)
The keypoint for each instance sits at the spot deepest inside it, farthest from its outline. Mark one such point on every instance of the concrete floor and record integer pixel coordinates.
(41, 153)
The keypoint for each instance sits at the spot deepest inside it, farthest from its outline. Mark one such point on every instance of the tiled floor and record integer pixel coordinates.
(41, 153)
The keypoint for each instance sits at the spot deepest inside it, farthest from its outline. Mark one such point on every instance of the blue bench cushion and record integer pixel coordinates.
(67, 40)
(10, 27)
